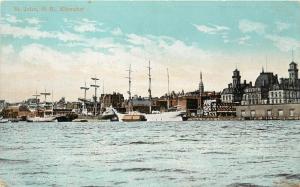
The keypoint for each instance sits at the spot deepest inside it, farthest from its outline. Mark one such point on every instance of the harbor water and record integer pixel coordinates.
(202, 153)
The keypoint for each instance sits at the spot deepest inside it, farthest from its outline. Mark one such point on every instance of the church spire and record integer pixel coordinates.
(200, 76)
(201, 86)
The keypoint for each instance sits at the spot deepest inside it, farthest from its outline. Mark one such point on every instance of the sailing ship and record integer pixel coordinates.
(44, 118)
(178, 115)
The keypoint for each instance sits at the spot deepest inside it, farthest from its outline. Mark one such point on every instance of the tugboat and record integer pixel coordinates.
(67, 118)
(134, 116)
(113, 115)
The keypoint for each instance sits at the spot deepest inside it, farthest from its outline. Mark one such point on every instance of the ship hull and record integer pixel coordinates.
(67, 118)
(41, 119)
(166, 116)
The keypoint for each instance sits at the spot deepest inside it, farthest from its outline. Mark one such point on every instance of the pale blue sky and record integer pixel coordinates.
(186, 37)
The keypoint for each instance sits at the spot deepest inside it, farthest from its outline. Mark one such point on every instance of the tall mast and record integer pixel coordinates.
(95, 97)
(36, 100)
(129, 89)
(85, 88)
(102, 98)
(168, 100)
(103, 87)
(266, 64)
(45, 95)
(52, 102)
(149, 90)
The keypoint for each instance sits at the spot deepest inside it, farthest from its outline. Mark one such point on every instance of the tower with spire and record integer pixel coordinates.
(201, 86)
(201, 92)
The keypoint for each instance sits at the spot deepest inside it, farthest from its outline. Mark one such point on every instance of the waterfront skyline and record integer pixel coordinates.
(60, 49)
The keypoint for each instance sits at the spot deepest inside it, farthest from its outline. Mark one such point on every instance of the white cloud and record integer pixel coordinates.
(225, 38)
(43, 55)
(244, 40)
(66, 36)
(19, 32)
(138, 40)
(117, 31)
(46, 67)
(212, 29)
(284, 43)
(12, 19)
(70, 39)
(247, 26)
(7, 50)
(33, 21)
(282, 26)
(84, 25)
(52, 67)
(36, 33)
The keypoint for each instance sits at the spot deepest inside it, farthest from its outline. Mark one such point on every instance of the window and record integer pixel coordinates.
(252, 113)
(269, 113)
(243, 113)
(291, 112)
(280, 112)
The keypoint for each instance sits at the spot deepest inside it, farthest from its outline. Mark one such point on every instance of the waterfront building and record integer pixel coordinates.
(210, 107)
(235, 90)
(3, 105)
(190, 102)
(252, 96)
(61, 104)
(16, 111)
(115, 100)
(141, 104)
(258, 93)
(288, 89)
(74, 106)
(269, 111)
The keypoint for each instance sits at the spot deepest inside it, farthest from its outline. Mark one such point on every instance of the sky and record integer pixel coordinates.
(60, 45)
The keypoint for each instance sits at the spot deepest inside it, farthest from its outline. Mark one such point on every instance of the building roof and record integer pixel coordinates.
(266, 79)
